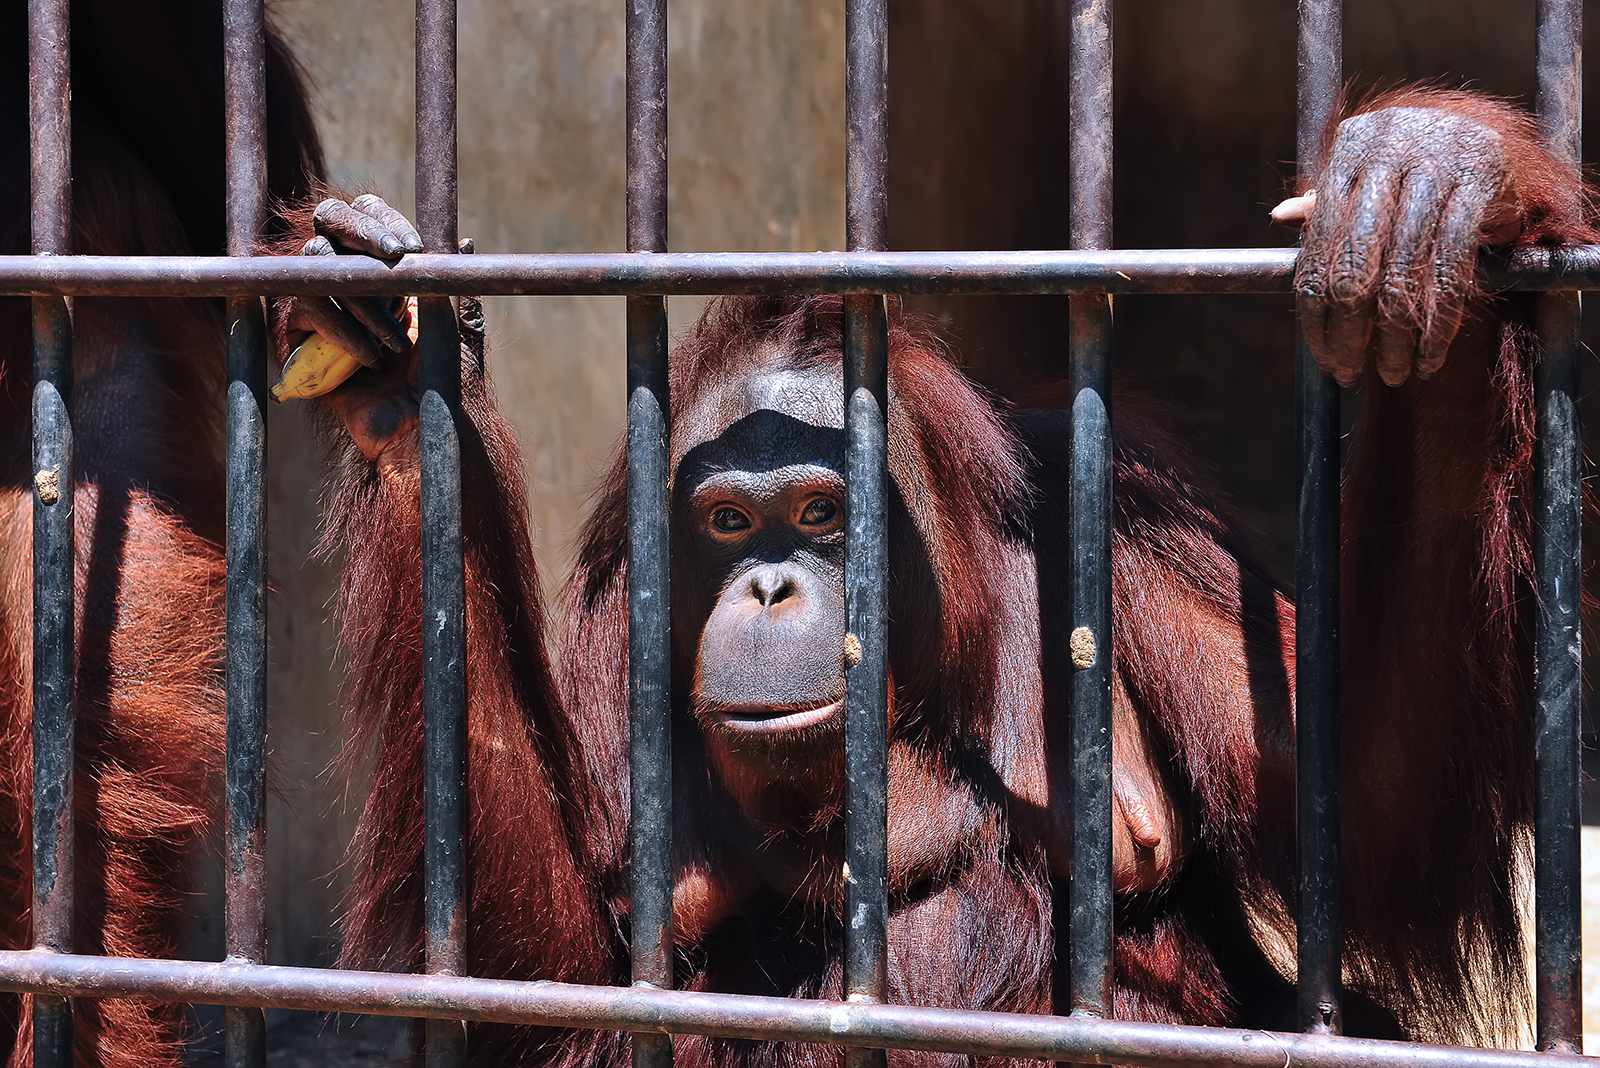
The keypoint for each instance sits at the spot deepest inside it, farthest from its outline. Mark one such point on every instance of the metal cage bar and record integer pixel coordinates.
(444, 682)
(245, 437)
(54, 631)
(866, 539)
(1558, 661)
(649, 537)
(1319, 933)
(1081, 1040)
(1089, 901)
(1121, 271)
(861, 1023)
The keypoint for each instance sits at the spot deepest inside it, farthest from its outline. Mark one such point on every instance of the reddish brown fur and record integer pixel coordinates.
(1437, 605)
(534, 912)
(971, 900)
(148, 510)
(1436, 796)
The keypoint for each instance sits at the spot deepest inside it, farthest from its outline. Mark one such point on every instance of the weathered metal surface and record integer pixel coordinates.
(1319, 932)
(649, 539)
(638, 1009)
(54, 614)
(1558, 564)
(1090, 903)
(866, 539)
(1119, 271)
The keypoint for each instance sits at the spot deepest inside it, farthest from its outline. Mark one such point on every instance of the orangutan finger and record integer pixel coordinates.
(1397, 349)
(355, 230)
(1454, 268)
(1349, 328)
(324, 316)
(1420, 201)
(392, 220)
(318, 246)
(374, 314)
(1316, 320)
(1355, 261)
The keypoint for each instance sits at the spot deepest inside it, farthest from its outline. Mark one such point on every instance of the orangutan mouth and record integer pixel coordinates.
(776, 720)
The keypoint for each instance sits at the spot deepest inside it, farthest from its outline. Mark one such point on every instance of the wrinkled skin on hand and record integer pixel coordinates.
(378, 404)
(1392, 237)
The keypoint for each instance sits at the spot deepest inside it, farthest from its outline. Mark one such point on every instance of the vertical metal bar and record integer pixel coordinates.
(1089, 903)
(444, 683)
(244, 80)
(1319, 932)
(866, 568)
(649, 600)
(1558, 688)
(54, 631)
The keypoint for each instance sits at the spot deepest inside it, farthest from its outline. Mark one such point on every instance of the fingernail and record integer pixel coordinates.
(412, 243)
(388, 244)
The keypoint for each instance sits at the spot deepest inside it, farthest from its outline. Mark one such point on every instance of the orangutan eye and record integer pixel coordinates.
(819, 512)
(730, 520)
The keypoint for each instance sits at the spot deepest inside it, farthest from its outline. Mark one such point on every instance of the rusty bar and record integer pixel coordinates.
(649, 541)
(444, 682)
(1319, 932)
(1089, 902)
(1558, 554)
(1120, 271)
(640, 1009)
(866, 567)
(54, 633)
(245, 102)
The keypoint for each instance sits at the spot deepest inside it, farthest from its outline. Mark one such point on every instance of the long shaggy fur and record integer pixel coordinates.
(975, 932)
(147, 180)
(533, 910)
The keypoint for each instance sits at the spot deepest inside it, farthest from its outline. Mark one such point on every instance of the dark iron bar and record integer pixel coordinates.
(444, 680)
(1558, 667)
(54, 631)
(866, 567)
(649, 557)
(244, 81)
(989, 1034)
(1089, 901)
(1120, 271)
(1319, 933)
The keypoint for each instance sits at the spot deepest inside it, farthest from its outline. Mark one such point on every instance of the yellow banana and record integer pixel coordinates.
(318, 366)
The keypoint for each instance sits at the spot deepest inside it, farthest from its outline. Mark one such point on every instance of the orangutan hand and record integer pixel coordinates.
(378, 402)
(1392, 237)
(362, 326)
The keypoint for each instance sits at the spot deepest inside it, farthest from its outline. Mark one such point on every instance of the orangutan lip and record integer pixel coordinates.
(771, 720)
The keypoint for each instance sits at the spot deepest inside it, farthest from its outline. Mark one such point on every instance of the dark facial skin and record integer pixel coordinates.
(759, 515)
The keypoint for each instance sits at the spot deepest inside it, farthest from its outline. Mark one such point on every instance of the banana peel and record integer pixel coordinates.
(318, 366)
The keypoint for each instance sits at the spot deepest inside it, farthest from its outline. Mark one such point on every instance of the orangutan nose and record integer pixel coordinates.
(771, 586)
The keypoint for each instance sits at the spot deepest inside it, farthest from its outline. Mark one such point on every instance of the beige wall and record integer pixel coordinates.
(757, 162)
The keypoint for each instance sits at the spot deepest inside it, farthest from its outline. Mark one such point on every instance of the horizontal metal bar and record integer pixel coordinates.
(660, 273)
(640, 1009)
(1123, 271)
